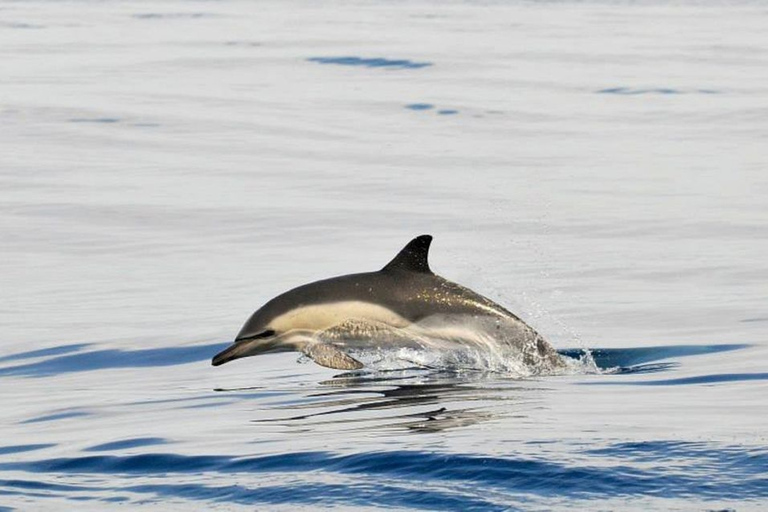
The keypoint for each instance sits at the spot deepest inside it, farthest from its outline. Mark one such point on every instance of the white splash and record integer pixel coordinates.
(471, 345)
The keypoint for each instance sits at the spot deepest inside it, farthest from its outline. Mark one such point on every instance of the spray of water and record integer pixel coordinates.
(472, 345)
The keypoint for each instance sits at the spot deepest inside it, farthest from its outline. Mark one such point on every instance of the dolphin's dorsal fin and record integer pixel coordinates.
(413, 257)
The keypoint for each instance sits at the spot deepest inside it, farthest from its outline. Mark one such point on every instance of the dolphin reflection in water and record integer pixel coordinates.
(414, 400)
(402, 312)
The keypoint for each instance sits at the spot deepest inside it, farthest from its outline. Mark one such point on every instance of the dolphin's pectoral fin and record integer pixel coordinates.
(367, 334)
(331, 357)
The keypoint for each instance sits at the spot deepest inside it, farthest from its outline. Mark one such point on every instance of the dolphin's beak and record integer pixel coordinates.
(243, 348)
(234, 351)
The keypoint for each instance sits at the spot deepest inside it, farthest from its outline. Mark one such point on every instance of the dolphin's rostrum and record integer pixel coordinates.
(403, 305)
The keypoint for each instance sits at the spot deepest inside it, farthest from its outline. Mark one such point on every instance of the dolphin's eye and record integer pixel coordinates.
(262, 334)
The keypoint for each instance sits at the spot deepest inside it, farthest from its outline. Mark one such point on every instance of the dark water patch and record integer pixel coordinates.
(21, 448)
(114, 358)
(58, 416)
(608, 358)
(420, 106)
(699, 379)
(127, 443)
(727, 476)
(323, 495)
(447, 112)
(171, 15)
(653, 90)
(370, 62)
(97, 120)
(53, 351)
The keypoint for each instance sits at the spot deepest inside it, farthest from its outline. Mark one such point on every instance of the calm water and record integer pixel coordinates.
(597, 167)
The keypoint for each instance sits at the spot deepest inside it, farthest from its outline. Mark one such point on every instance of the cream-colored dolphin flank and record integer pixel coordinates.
(402, 305)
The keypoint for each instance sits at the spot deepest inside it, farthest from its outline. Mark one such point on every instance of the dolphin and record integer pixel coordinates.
(403, 305)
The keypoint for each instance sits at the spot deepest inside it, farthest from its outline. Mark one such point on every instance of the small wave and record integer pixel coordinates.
(728, 475)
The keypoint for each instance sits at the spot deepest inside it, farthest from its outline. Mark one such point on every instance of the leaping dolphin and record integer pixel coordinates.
(402, 305)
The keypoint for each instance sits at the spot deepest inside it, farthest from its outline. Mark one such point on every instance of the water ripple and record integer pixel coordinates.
(698, 379)
(324, 495)
(370, 62)
(127, 443)
(728, 474)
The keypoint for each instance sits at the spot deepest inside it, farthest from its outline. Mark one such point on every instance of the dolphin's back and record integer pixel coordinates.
(411, 295)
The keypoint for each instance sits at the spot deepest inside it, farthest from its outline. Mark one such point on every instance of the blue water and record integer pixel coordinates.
(596, 167)
(414, 475)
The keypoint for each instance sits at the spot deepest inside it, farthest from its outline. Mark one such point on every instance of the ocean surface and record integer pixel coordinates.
(598, 167)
